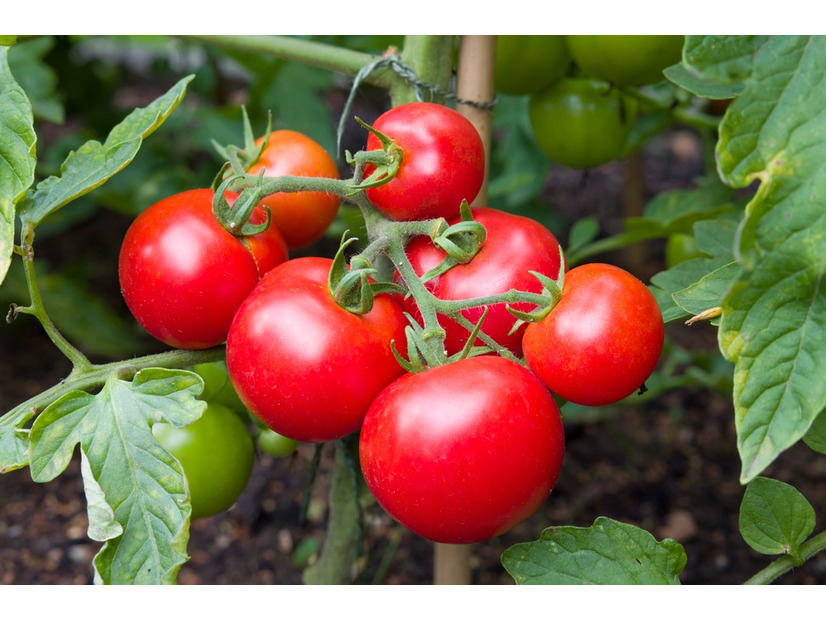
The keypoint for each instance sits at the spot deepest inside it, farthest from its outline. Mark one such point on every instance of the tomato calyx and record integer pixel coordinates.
(352, 286)
(380, 166)
(551, 291)
(235, 217)
(242, 159)
(461, 241)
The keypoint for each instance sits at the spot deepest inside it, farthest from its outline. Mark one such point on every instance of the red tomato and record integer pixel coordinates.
(302, 217)
(183, 275)
(601, 341)
(303, 365)
(443, 162)
(463, 452)
(514, 246)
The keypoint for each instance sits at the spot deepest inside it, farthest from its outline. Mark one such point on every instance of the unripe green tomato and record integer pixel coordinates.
(276, 444)
(216, 453)
(679, 248)
(581, 122)
(626, 60)
(527, 64)
(217, 385)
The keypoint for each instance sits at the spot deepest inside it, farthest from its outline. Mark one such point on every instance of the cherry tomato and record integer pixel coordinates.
(514, 246)
(601, 341)
(275, 444)
(463, 452)
(443, 162)
(582, 123)
(307, 368)
(527, 64)
(216, 453)
(183, 275)
(626, 60)
(217, 386)
(302, 217)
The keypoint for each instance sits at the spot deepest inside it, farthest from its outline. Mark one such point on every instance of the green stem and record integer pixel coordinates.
(783, 565)
(431, 57)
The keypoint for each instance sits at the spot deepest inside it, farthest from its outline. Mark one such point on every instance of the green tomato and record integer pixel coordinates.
(527, 64)
(626, 60)
(217, 385)
(216, 453)
(581, 122)
(276, 444)
(679, 248)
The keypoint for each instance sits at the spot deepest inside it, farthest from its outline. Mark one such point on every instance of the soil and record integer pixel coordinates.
(669, 465)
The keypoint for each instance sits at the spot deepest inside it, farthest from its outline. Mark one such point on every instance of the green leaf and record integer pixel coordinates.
(701, 85)
(709, 291)
(94, 163)
(17, 155)
(726, 59)
(607, 553)
(37, 78)
(773, 325)
(815, 438)
(775, 518)
(138, 500)
(14, 439)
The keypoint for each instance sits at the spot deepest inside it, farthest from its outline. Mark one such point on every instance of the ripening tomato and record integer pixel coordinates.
(217, 454)
(463, 452)
(306, 367)
(601, 341)
(443, 162)
(302, 217)
(514, 246)
(183, 275)
(627, 59)
(527, 64)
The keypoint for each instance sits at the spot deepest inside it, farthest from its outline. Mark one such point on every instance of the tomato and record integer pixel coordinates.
(443, 162)
(601, 341)
(582, 123)
(307, 368)
(183, 275)
(217, 386)
(216, 453)
(463, 452)
(626, 60)
(275, 444)
(527, 64)
(514, 246)
(302, 217)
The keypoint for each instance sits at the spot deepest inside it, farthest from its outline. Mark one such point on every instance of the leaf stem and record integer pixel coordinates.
(782, 565)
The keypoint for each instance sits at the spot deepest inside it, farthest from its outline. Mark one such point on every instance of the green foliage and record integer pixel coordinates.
(607, 553)
(136, 491)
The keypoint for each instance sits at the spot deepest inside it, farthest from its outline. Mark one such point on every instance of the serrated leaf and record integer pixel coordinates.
(131, 482)
(94, 163)
(775, 518)
(723, 58)
(607, 553)
(774, 321)
(17, 155)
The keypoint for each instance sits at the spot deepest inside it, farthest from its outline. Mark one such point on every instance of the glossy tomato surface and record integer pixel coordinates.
(302, 217)
(463, 452)
(514, 246)
(527, 64)
(601, 341)
(183, 276)
(626, 60)
(582, 123)
(443, 162)
(304, 366)
(216, 453)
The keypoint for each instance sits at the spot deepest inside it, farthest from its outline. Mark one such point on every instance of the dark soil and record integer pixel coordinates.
(669, 465)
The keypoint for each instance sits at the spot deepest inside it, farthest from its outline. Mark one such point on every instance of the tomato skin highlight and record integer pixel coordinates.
(302, 217)
(183, 275)
(443, 162)
(463, 452)
(305, 367)
(601, 341)
(217, 454)
(514, 246)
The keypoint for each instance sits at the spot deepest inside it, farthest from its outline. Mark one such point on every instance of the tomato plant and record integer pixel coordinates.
(601, 341)
(626, 60)
(303, 365)
(582, 122)
(301, 217)
(183, 275)
(217, 454)
(528, 64)
(443, 162)
(514, 246)
(463, 452)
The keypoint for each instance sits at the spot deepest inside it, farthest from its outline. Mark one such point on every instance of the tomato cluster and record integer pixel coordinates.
(578, 113)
